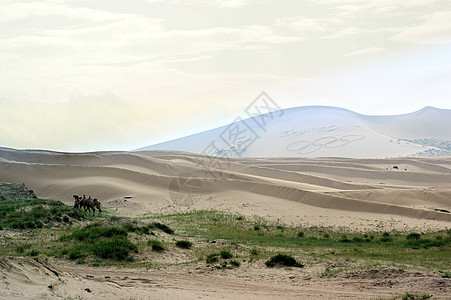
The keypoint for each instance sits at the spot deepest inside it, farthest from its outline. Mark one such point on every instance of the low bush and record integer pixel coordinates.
(225, 254)
(254, 251)
(283, 260)
(107, 242)
(211, 258)
(33, 253)
(413, 236)
(162, 227)
(409, 296)
(184, 244)
(22, 248)
(157, 246)
(425, 243)
(235, 263)
(115, 248)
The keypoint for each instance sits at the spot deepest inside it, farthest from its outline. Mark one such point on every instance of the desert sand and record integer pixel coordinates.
(26, 278)
(359, 194)
(356, 194)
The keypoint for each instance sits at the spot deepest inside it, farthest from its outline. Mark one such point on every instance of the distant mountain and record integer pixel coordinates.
(322, 131)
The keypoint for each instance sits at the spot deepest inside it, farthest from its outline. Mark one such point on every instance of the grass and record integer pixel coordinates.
(35, 213)
(110, 239)
(106, 242)
(426, 252)
(411, 296)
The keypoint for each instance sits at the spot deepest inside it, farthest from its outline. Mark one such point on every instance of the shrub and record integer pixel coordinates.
(357, 239)
(184, 244)
(162, 227)
(283, 260)
(156, 245)
(22, 248)
(33, 253)
(386, 239)
(300, 234)
(108, 242)
(257, 228)
(409, 296)
(225, 254)
(235, 263)
(113, 248)
(74, 253)
(425, 243)
(211, 258)
(254, 251)
(130, 227)
(344, 239)
(413, 236)
(95, 231)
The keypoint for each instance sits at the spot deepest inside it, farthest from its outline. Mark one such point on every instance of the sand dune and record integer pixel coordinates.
(320, 131)
(354, 193)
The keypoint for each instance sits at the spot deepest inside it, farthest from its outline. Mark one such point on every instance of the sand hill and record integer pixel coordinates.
(362, 194)
(320, 131)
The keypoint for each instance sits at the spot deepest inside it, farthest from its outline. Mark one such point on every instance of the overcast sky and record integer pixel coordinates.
(84, 75)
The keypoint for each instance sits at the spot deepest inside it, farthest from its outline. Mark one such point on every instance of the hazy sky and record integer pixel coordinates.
(79, 75)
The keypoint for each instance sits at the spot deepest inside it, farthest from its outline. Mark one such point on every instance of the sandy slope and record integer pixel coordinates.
(26, 278)
(354, 193)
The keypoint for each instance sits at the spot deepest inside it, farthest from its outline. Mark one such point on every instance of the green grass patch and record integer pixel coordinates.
(324, 244)
(35, 213)
(107, 242)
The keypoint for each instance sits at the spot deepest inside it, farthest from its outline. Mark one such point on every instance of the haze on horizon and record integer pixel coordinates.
(112, 75)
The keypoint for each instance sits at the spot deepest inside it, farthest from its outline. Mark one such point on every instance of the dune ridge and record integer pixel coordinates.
(287, 189)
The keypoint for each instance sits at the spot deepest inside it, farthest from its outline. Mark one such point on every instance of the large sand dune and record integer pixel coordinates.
(320, 131)
(354, 193)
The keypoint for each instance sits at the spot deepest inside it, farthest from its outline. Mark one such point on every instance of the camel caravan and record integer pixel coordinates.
(88, 204)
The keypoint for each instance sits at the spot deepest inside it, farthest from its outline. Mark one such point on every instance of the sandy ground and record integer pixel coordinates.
(359, 194)
(27, 278)
(356, 194)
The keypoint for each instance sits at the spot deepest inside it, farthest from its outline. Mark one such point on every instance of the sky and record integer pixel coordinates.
(79, 75)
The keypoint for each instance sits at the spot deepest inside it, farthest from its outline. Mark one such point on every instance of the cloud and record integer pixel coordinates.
(229, 3)
(12, 11)
(366, 51)
(214, 3)
(435, 29)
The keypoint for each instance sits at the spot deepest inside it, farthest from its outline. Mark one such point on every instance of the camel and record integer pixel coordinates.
(88, 204)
